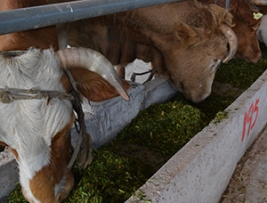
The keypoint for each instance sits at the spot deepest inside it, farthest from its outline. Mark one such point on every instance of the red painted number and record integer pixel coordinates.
(250, 118)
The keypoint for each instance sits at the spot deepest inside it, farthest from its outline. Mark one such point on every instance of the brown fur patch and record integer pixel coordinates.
(92, 85)
(245, 27)
(43, 183)
(39, 38)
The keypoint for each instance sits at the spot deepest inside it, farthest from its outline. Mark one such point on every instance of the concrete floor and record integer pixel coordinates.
(249, 181)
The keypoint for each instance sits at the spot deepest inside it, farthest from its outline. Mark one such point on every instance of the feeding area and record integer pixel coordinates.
(154, 136)
(157, 146)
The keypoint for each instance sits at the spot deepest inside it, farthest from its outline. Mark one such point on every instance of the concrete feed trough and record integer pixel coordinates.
(200, 171)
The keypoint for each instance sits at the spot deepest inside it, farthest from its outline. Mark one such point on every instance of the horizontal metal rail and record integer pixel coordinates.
(42, 16)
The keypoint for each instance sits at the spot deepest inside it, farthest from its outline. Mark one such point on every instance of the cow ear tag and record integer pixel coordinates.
(257, 16)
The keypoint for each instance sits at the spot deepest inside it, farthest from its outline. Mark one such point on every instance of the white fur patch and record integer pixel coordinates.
(29, 125)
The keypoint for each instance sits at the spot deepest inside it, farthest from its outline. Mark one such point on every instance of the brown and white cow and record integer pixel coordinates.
(245, 28)
(185, 41)
(38, 132)
(261, 5)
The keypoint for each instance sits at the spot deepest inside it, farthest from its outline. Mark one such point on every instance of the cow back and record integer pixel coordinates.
(39, 38)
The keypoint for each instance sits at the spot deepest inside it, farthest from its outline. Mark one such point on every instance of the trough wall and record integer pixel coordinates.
(202, 169)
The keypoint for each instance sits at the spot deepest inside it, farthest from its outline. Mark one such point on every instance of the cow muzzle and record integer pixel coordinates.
(64, 187)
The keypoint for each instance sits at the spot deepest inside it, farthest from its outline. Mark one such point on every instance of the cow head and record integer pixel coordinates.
(37, 132)
(185, 41)
(246, 26)
(195, 50)
(248, 44)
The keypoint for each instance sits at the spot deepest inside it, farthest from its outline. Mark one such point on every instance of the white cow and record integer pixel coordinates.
(38, 130)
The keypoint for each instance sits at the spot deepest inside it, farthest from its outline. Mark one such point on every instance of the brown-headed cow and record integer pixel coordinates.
(261, 5)
(245, 28)
(38, 131)
(185, 41)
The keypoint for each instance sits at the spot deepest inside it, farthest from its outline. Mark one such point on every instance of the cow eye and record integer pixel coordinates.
(213, 69)
(215, 65)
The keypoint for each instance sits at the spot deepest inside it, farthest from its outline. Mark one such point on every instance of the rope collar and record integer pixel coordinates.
(7, 95)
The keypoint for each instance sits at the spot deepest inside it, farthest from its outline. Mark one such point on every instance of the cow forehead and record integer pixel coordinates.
(34, 69)
(29, 125)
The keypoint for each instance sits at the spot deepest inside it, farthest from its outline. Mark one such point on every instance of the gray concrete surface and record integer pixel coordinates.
(201, 170)
(249, 181)
(8, 174)
(104, 120)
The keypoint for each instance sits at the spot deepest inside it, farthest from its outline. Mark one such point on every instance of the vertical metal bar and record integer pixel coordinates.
(227, 4)
(41, 16)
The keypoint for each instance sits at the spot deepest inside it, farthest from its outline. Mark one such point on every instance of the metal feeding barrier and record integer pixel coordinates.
(41, 16)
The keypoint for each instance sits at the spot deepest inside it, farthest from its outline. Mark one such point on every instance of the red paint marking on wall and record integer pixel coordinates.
(250, 118)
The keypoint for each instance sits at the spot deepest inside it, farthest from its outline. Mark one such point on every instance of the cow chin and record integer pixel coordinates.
(46, 190)
(196, 98)
(63, 189)
(195, 94)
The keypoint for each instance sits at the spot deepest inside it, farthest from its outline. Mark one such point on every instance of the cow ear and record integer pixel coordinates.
(93, 86)
(222, 15)
(184, 34)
